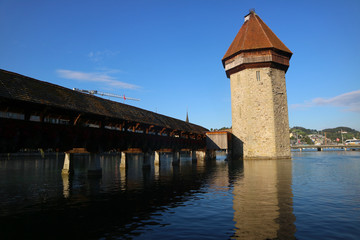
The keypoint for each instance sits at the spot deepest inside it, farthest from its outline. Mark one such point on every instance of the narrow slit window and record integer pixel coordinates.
(258, 75)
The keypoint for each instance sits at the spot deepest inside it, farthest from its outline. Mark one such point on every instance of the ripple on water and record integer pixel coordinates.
(318, 193)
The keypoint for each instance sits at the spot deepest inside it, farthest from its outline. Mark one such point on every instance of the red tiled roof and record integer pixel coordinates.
(254, 34)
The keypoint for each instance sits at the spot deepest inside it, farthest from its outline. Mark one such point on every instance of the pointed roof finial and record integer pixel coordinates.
(251, 11)
(187, 116)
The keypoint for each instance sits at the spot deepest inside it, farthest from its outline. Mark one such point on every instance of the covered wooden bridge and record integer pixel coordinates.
(36, 114)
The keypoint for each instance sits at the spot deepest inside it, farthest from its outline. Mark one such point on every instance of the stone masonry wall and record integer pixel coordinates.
(282, 135)
(259, 114)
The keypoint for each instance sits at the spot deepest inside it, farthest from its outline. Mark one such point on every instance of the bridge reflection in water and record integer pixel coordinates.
(191, 200)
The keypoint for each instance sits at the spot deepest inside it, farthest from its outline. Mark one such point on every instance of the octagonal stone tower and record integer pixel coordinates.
(256, 63)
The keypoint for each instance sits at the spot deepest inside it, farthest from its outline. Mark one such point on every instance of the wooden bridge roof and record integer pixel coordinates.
(22, 89)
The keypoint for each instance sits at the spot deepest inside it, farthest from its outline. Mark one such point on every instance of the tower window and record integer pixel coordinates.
(258, 75)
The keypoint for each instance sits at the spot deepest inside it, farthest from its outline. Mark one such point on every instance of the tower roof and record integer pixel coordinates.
(253, 35)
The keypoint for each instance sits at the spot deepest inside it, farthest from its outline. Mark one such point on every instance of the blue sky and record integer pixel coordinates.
(168, 53)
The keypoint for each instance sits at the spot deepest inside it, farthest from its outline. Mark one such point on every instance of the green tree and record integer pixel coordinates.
(307, 140)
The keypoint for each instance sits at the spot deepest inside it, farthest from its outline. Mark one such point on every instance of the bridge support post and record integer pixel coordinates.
(200, 154)
(193, 155)
(68, 164)
(147, 160)
(200, 158)
(94, 165)
(157, 165)
(210, 154)
(123, 160)
(157, 158)
(176, 158)
(228, 154)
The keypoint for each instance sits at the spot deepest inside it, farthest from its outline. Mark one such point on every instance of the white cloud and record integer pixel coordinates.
(99, 56)
(99, 77)
(350, 101)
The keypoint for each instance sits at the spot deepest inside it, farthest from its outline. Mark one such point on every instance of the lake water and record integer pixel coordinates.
(316, 195)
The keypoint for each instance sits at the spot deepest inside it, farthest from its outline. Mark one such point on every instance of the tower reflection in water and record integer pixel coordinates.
(263, 207)
(261, 189)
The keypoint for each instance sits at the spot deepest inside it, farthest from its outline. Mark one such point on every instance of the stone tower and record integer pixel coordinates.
(256, 63)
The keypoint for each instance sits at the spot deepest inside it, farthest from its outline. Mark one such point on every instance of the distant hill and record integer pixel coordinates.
(303, 131)
(348, 133)
(338, 129)
(331, 133)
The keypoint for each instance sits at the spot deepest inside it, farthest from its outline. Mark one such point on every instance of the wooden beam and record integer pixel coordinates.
(147, 130)
(166, 150)
(162, 130)
(173, 132)
(78, 150)
(76, 119)
(133, 150)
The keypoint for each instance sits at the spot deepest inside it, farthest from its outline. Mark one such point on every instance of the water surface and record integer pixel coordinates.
(316, 195)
